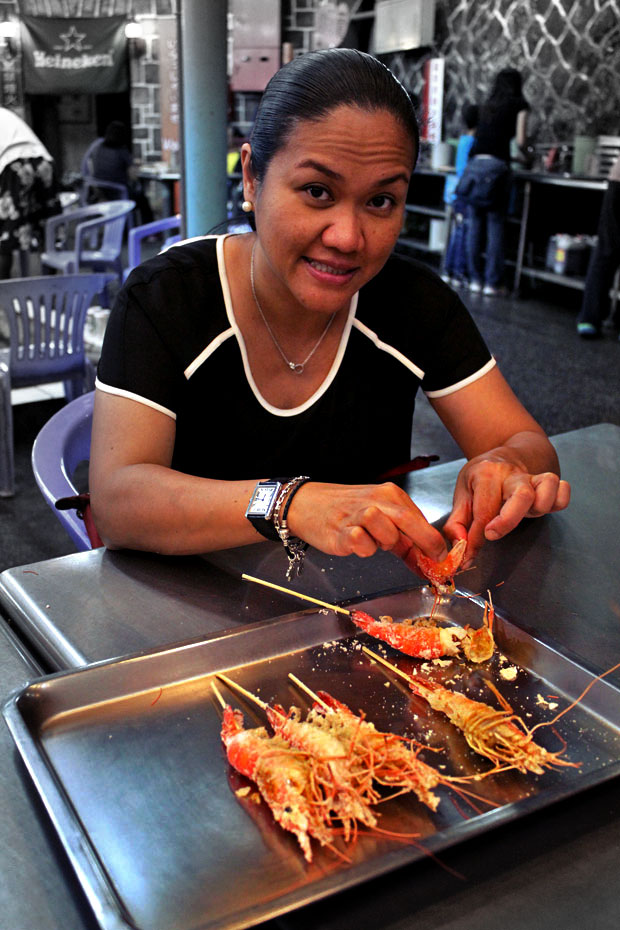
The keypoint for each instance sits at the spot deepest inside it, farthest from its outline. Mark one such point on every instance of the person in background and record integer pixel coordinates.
(297, 349)
(113, 161)
(455, 263)
(604, 261)
(502, 117)
(28, 190)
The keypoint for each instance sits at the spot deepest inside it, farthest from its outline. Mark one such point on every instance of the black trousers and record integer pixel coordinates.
(604, 260)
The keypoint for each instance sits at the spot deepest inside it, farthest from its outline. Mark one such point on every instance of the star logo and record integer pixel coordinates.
(73, 41)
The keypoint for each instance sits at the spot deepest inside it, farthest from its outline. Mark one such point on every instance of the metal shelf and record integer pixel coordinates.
(426, 211)
(562, 279)
(419, 244)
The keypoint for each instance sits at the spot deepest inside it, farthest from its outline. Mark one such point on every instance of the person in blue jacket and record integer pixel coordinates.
(455, 262)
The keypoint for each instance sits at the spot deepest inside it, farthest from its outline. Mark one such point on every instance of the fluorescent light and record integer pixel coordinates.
(133, 30)
(9, 29)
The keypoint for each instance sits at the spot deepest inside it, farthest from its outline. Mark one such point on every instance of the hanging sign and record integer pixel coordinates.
(74, 56)
(431, 128)
(170, 88)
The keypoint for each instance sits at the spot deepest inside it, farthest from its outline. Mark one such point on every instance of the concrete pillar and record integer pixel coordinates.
(203, 38)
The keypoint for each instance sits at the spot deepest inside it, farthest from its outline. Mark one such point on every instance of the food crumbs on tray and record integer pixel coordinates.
(243, 792)
(442, 662)
(540, 700)
(509, 674)
(386, 684)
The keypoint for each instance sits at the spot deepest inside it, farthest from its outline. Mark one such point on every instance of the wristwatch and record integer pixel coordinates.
(262, 504)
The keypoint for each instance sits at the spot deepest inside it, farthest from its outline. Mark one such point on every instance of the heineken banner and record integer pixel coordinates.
(74, 56)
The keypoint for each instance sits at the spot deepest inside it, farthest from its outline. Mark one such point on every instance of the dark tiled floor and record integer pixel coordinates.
(565, 382)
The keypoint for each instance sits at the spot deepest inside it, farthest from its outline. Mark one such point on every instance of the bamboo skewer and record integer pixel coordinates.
(218, 694)
(248, 694)
(308, 691)
(304, 597)
(385, 662)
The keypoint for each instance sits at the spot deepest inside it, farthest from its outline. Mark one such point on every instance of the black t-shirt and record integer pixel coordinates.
(172, 342)
(496, 128)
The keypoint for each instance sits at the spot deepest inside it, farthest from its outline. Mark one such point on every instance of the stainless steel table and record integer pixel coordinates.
(559, 577)
(37, 887)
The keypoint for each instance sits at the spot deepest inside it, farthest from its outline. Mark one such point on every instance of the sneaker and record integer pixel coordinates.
(490, 291)
(475, 287)
(457, 282)
(587, 331)
(446, 278)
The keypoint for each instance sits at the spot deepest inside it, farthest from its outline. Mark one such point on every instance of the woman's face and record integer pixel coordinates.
(329, 208)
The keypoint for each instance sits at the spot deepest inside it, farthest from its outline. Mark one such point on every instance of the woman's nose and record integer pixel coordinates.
(344, 230)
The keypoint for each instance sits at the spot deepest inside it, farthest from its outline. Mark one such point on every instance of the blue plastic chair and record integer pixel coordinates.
(46, 316)
(139, 233)
(61, 446)
(91, 237)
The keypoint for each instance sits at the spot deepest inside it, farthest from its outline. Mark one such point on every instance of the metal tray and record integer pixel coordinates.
(127, 758)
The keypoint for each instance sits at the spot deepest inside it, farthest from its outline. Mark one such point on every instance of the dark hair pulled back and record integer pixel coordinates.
(311, 86)
(506, 89)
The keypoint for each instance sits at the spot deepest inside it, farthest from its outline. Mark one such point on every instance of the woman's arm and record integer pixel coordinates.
(513, 469)
(521, 133)
(139, 502)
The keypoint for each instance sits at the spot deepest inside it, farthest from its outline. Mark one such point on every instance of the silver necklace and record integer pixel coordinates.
(297, 367)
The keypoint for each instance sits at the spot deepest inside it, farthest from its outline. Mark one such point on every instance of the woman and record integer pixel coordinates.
(297, 350)
(502, 117)
(28, 190)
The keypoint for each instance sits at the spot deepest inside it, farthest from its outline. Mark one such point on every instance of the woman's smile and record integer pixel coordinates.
(330, 272)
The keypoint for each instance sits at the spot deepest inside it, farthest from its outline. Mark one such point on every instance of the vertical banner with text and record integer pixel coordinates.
(170, 102)
(432, 120)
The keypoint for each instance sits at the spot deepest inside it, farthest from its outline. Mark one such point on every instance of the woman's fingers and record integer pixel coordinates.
(491, 499)
(528, 496)
(552, 494)
(343, 520)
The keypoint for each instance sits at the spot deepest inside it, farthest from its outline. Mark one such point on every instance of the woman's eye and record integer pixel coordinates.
(317, 192)
(382, 202)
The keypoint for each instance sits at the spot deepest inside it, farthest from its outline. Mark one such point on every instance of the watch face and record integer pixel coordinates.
(262, 499)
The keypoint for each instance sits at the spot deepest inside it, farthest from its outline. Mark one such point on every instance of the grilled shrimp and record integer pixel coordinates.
(499, 735)
(388, 757)
(283, 777)
(424, 639)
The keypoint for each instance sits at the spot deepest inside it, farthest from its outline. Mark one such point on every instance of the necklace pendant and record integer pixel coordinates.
(297, 368)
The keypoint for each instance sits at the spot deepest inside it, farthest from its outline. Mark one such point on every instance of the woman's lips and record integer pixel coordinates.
(326, 271)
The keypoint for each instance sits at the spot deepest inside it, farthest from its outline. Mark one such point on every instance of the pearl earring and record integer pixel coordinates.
(247, 206)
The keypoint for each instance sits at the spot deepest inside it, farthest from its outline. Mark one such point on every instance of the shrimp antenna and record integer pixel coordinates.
(308, 691)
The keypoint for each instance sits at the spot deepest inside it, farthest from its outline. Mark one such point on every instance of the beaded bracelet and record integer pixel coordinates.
(295, 547)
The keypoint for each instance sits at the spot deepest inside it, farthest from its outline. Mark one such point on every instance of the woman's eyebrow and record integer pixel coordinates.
(311, 163)
(318, 166)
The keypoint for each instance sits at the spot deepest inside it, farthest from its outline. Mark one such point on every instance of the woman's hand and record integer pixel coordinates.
(359, 519)
(492, 496)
